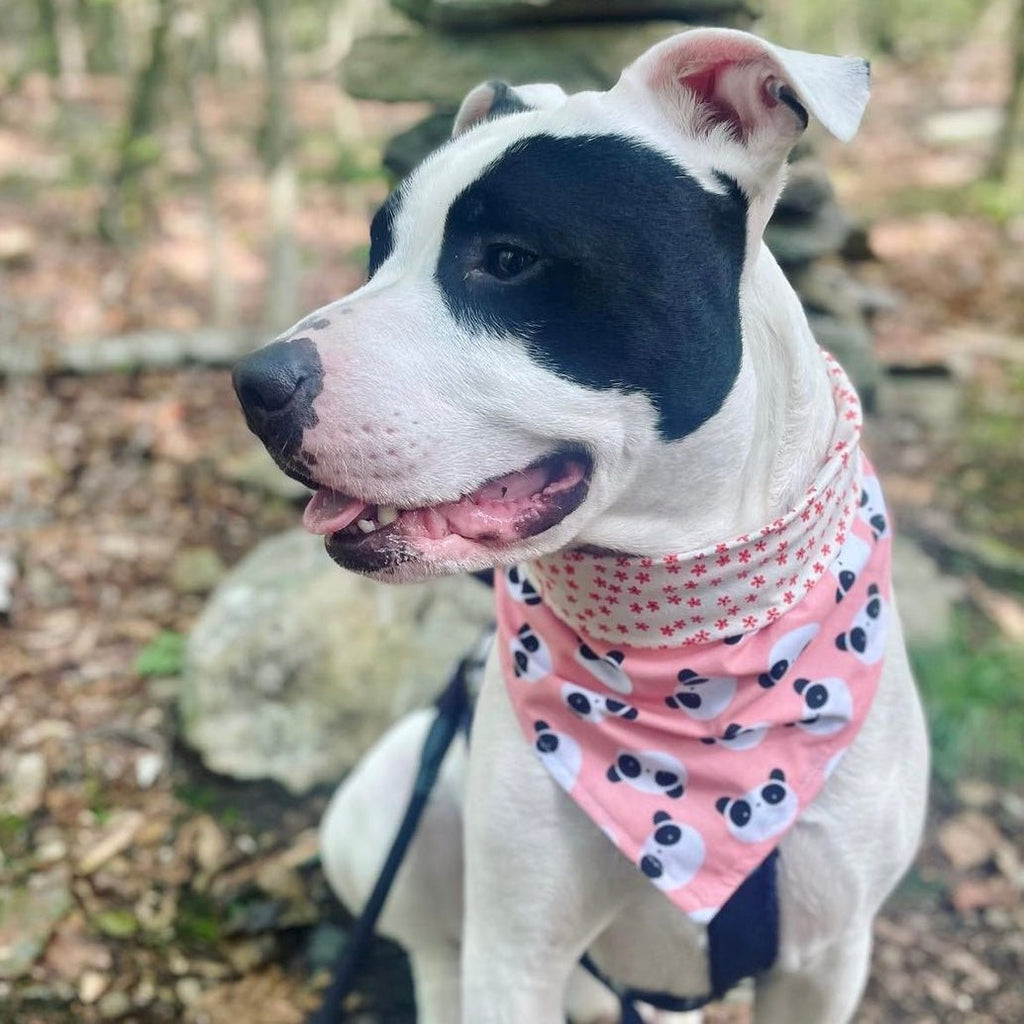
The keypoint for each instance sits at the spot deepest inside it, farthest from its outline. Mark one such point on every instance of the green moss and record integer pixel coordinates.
(198, 922)
(162, 656)
(116, 923)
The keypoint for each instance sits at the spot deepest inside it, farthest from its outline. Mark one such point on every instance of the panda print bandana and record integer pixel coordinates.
(693, 705)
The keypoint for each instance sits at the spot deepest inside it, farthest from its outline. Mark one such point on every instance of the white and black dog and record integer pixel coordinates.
(574, 336)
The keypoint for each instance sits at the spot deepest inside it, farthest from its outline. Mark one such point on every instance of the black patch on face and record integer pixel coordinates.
(578, 703)
(816, 697)
(629, 766)
(382, 227)
(667, 835)
(635, 284)
(773, 793)
(739, 813)
(651, 866)
(547, 743)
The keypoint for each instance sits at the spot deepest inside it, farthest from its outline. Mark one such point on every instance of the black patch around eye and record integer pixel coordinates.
(690, 700)
(773, 793)
(637, 282)
(513, 574)
(521, 661)
(651, 866)
(382, 227)
(578, 703)
(547, 743)
(668, 835)
(874, 608)
(739, 813)
(666, 779)
(816, 697)
(629, 766)
(587, 653)
(531, 643)
(878, 522)
(858, 640)
(779, 669)
(846, 579)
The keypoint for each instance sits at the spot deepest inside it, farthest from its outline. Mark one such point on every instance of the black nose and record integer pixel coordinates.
(276, 387)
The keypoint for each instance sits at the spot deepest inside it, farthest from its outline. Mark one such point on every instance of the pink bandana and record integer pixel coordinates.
(692, 705)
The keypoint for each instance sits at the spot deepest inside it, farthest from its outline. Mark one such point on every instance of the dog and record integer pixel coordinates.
(573, 347)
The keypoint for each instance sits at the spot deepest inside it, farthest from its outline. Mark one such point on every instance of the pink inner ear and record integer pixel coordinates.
(705, 84)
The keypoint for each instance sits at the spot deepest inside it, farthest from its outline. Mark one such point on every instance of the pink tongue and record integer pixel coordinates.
(329, 511)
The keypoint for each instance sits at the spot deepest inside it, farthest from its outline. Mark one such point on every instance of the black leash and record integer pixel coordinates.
(452, 713)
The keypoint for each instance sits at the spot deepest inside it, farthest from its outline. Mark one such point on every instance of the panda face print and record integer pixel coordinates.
(872, 506)
(560, 753)
(866, 637)
(848, 564)
(701, 697)
(649, 771)
(531, 659)
(605, 668)
(595, 706)
(520, 587)
(672, 854)
(828, 706)
(785, 651)
(761, 813)
(739, 737)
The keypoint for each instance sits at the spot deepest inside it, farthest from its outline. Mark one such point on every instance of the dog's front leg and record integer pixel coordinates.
(824, 988)
(541, 880)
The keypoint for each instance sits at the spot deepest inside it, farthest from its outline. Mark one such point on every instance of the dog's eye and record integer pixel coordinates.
(505, 262)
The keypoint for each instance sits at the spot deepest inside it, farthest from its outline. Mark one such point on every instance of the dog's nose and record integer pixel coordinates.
(276, 387)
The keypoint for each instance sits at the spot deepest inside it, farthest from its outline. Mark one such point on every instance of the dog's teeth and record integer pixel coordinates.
(386, 514)
(366, 525)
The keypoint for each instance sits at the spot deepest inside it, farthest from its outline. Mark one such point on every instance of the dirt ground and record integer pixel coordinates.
(162, 893)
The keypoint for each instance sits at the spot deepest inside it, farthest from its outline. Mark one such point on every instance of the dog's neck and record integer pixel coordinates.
(751, 461)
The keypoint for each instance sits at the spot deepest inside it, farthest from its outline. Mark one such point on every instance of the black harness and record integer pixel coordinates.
(743, 937)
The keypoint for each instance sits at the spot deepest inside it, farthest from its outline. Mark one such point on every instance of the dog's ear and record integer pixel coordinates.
(749, 91)
(497, 98)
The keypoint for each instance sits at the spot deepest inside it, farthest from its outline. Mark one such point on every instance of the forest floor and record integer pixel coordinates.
(136, 886)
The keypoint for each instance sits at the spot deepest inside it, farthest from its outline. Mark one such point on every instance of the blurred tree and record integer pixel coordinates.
(123, 210)
(1009, 135)
(277, 144)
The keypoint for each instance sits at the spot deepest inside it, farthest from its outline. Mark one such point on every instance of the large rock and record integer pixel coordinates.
(441, 68)
(295, 667)
(463, 14)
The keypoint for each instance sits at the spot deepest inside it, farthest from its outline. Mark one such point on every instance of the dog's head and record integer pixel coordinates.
(553, 296)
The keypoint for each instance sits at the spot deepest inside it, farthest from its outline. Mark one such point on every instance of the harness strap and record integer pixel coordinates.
(743, 941)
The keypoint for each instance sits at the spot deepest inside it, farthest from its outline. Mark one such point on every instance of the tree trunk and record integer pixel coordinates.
(223, 305)
(276, 150)
(123, 209)
(1002, 156)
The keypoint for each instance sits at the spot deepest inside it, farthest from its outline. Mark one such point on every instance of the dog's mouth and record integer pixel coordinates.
(506, 509)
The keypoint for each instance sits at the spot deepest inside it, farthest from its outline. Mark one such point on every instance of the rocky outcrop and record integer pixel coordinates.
(295, 667)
